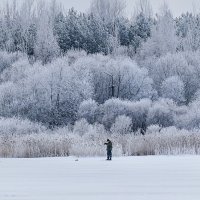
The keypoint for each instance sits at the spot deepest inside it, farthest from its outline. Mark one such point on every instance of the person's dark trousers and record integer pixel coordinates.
(109, 155)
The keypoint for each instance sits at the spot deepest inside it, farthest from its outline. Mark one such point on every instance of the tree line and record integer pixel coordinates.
(57, 66)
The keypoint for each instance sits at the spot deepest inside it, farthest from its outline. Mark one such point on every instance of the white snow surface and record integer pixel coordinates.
(127, 178)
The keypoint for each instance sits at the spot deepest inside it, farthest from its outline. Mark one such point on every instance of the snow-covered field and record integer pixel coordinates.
(128, 178)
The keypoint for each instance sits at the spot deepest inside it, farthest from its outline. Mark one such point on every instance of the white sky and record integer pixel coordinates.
(177, 6)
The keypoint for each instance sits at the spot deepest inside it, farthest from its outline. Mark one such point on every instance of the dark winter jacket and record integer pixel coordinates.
(109, 145)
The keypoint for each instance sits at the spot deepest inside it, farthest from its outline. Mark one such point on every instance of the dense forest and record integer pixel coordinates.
(99, 71)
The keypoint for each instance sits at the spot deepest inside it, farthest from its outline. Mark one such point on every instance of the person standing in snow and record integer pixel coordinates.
(109, 149)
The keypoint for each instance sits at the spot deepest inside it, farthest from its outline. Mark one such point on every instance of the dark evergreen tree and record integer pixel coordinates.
(188, 30)
(182, 24)
(97, 36)
(123, 27)
(140, 31)
(29, 39)
(61, 32)
(73, 29)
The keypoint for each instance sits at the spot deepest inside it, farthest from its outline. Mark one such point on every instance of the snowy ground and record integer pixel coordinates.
(130, 178)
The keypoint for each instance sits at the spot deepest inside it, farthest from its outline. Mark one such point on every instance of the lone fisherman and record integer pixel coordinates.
(109, 149)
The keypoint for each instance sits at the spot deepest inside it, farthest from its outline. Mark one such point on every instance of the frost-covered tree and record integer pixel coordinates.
(179, 64)
(81, 127)
(122, 125)
(190, 118)
(137, 111)
(192, 40)
(111, 66)
(17, 27)
(46, 47)
(162, 113)
(73, 30)
(61, 31)
(123, 26)
(173, 88)
(188, 27)
(108, 10)
(139, 31)
(118, 77)
(143, 7)
(50, 94)
(111, 109)
(27, 21)
(7, 59)
(163, 37)
(89, 111)
(97, 38)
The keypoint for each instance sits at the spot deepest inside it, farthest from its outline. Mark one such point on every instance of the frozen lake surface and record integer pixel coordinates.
(127, 178)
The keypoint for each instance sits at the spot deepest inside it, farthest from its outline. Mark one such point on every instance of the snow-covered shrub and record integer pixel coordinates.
(153, 129)
(89, 110)
(93, 145)
(17, 126)
(113, 108)
(46, 47)
(92, 142)
(35, 145)
(63, 142)
(140, 145)
(162, 113)
(138, 113)
(98, 129)
(81, 127)
(174, 141)
(122, 125)
(167, 141)
(190, 119)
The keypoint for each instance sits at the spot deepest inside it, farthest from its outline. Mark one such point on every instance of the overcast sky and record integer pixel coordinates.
(177, 6)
